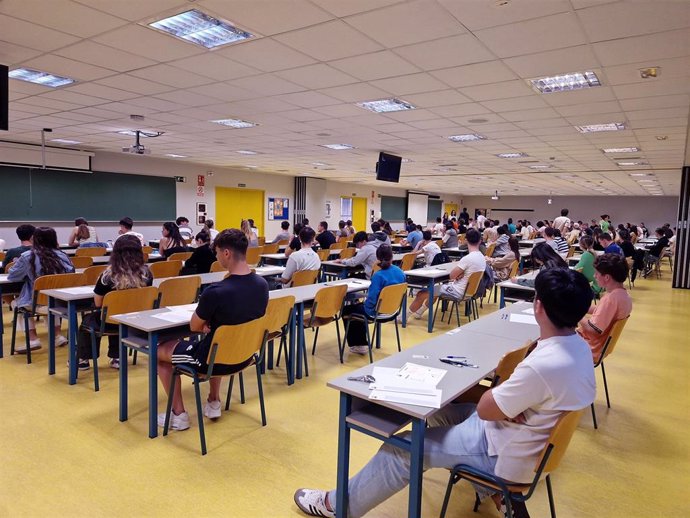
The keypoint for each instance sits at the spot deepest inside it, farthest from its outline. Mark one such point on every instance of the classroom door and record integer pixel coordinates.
(234, 205)
(359, 214)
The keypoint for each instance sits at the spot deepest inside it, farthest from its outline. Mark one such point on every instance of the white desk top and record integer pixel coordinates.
(432, 272)
(279, 256)
(531, 242)
(514, 285)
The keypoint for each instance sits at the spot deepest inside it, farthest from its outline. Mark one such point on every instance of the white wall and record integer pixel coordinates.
(654, 211)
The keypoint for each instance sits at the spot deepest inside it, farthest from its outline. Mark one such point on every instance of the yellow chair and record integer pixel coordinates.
(533, 234)
(262, 240)
(164, 269)
(271, 248)
(2, 256)
(180, 256)
(324, 254)
(612, 337)
(178, 291)
(90, 251)
(283, 242)
(571, 252)
(548, 461)
(375, 268)
(304, 278)
(147, 249)
(339, 245)
(408, 261)
(468, 298)
(388, 306)
(347, 253)
(489, 252)
(39, 303)
(514, 267)
(254, 255)
(279, 316)
(239, 345)
(439, 242)
(117, 303)
(81, 261)
(92, 273)
(327, 308)
(217, 267)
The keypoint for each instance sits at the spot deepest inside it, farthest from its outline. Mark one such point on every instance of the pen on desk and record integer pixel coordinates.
(449, 357)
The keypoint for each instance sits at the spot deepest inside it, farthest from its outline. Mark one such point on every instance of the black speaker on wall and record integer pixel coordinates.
(4, 98)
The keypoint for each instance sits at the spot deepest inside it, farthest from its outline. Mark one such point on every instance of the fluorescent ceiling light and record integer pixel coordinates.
(386, 105)
(593, 128)
(130, 133)
(407, 160)
(621, 150)
(65, 141)
(467, 137)
(623, 164)
(540, 166)
(251, 166)
(512, 155)
(39, 78)
(235, 123)
(319, 164)
(338, 146)
(247, 152)
(173, 155)
(640, 174)
(565, 82)
(201, 29)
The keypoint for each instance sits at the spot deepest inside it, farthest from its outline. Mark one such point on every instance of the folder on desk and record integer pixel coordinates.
(408, 390)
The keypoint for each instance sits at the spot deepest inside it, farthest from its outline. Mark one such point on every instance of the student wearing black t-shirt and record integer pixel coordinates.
(202, 258)
(325, 238)
(240, 298)
(295, 244)
(24, 233)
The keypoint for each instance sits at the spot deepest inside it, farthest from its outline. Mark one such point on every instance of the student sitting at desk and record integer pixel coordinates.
(202, 257)
(208, 225)
(586, 263)
(378, 233)
(43, 258)
(386, 276)
(86, 238)
(246, 229)
(284, 234)
(183, 224)
(450, 237)
(611, 270)
(24, 233)
(502, 247)
(171, 241)
(351, 231)
(414, 237)
(473, 262)
(77, 236)
(295, 243)
(544, 257)
(126, 225)
(342, 231)
(325, 237)
(503, 264)
(366, 257)
(427, 247)
(505, 432)
(126, 270)
(241, 297)
(303, 259)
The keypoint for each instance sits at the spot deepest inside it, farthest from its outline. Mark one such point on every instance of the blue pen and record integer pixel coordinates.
(450, 357)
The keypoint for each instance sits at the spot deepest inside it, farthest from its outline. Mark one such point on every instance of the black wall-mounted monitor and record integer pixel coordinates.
(388, 168)
(4, 98)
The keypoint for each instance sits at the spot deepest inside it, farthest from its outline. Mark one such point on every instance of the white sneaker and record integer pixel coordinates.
(212, 409)
(420, 312)
(33, 344)
(313, 502)
(177, 422)
(359, 349)
(60, 341)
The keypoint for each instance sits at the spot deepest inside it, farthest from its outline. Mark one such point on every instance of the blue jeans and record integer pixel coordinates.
(455, 436)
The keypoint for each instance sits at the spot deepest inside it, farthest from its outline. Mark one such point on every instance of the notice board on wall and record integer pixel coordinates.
(278, 208)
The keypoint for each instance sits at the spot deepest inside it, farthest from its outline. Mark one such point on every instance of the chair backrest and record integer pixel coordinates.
(338, 245)
(533, 234)
(559, 439)
(146, 257)
(216, 267)
(92, 273)
(127, 301)
(329, 300)
(391, 299)
(10, 265)
(254, 254)
(271, 248)
(179, 290)
(261, 240)
(571, 252)
(375, 268)
(283, 242)
(90, 251)
(508, 363)
(343, 239)
(278, 313)
(347, 253)
(81, 261)
(180, 256)
(54, 282)
(613, 336)
(439, 242)
(2, 256)
(235, 344)
(490, 250)
(304, 277)
(473, 283)
(633, 238)
(163, 269)
(147, 249)
(323, 254)
(408, 261)
(462, 240)
(514, 269)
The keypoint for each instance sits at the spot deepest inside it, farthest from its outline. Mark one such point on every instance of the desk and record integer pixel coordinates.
(429, 276)
(278, 259)
(73, 251)
(105, 259)
(527, 290)
(531, 242)
(456, 252)
(382, 419)
(7, 288)
(140, 331)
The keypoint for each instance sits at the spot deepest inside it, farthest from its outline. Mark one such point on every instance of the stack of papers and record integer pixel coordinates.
(177, 314)
(523, 319)
(412, 384)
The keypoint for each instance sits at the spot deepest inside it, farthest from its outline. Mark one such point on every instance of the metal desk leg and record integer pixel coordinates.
(51, 336)
(343, 456)
(503, 300)
(72, 340)
(290, 356)
(2, 325)
(299, 358)
(124, 330)
(414, 508)
(343, 273)
(430, 321)
(404, 312)
(153, 384)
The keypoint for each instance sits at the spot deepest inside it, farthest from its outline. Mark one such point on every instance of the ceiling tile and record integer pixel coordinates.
(317, 76)
(446, 52)
(355, 93)
(648, 103)
(308, 99)
(528, 115)
(526, 103)
(171, 76)
(30, 35)
(265, 54)
(149, 43)
(11, 54)
(553, 62)
(433, 99)
(479, 15)
(134, 10)
(671, 44)
(476, 74)
(503, 90)
(214, 66)
(68, 68)
(134, 84)
(377, 65)
(104, 92)
(96, 54)
(266, 84)
(412, 84)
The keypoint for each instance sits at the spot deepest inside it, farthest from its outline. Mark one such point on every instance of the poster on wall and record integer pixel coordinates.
(278, 208)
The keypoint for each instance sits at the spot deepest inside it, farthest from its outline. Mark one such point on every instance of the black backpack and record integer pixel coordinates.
(440, 258)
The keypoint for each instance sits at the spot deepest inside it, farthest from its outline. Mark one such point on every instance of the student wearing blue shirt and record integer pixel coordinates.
(608, 245)
(511, 226)
(414, 236)
(386, 276)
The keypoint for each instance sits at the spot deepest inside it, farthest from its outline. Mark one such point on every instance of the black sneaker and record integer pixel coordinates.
(83, 365)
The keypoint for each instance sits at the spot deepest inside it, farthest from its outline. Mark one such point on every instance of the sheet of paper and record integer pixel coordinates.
(387, 380)
(182, 308)
(421, 374)
(172, 316)
(79, 290)
(529, 311)
(431, 401)
(523, 319)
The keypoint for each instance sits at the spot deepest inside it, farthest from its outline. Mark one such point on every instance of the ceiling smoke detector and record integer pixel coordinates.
(651, 72)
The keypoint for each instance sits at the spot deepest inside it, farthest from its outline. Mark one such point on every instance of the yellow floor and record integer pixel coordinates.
(64, 452)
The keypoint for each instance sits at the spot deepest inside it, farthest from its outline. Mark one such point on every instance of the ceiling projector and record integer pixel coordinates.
(136, 149)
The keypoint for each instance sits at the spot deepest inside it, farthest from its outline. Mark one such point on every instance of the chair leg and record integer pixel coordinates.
(316, 337)
(241, 388)
(94, 356)
(227, 398)
(261, 395)
(26, 337)
(337, 331)
(168, 408)
(342, 348)
(366, 326)
(477, 501)
(14, 330)
(456, 304)
(433, 322)
(549, 490)
(134, 357)
(594, 417)
(508, 503)
(378, 335)
(449, 487)
(200, 416)
(606, 386)
(397, 333)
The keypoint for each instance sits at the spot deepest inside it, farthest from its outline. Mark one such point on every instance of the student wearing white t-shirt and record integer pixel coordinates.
(562, 221)
(473, 262)
(506, 431)
(126, 225)
(303, 259)
(427, 247)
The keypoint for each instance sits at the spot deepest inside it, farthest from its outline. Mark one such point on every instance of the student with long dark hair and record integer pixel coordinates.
(44, 258)
(126, 270)
(544, 257)
(171, 242)
(203, 256)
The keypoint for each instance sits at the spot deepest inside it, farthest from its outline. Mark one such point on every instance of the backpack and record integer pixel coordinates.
(440, 258)
(487, 282)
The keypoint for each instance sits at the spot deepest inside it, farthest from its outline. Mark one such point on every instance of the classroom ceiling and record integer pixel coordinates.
(463, 64)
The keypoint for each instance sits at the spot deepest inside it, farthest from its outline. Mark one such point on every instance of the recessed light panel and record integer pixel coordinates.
(467, 137)
(512, 155)
(594, 128)
(39, 78)
(626, 164)
(235, 123)
(247, 152)
(338, 147)
(621, 150)
(201, 29)
(540, 166)
(173, 155)
(565, 82)
(386, 105)
(130, 133)
(65, 141)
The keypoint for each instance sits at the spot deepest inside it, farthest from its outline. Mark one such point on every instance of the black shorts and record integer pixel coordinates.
(194, 353)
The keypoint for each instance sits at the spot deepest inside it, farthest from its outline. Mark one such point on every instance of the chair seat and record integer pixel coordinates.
(513, 488)
(317, 321)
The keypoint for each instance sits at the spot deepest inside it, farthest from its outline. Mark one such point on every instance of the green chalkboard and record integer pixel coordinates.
(393, 208)
(46, 195)
(434, 211)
